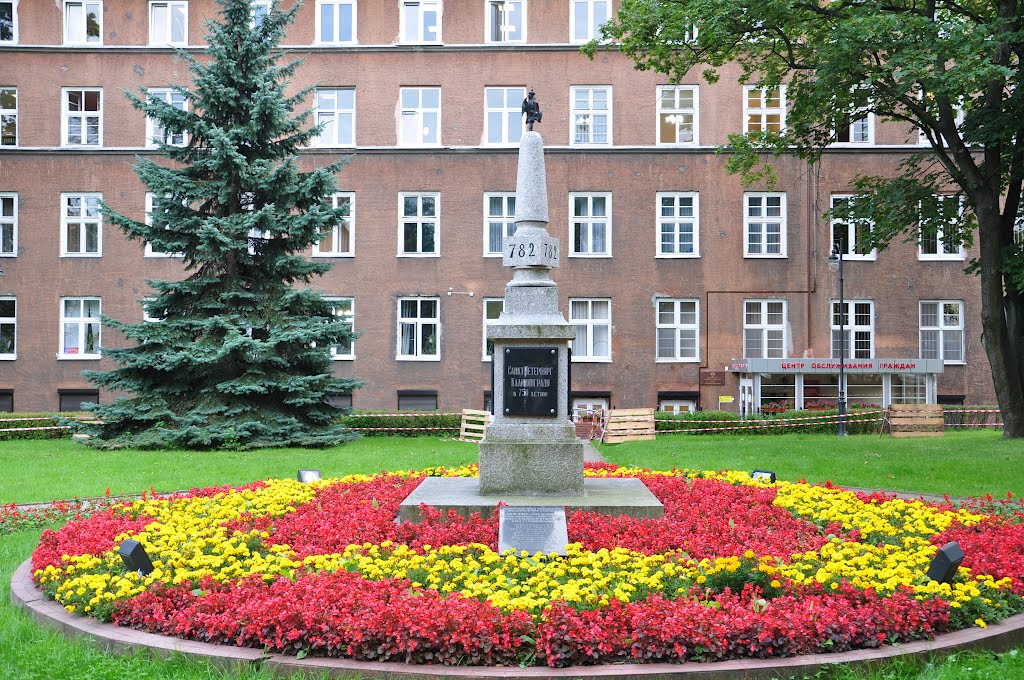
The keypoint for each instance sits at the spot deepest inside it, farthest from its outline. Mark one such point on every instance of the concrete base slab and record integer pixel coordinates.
(462, 494)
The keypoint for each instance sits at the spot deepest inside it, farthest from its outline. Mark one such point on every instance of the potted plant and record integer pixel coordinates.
(776, 406)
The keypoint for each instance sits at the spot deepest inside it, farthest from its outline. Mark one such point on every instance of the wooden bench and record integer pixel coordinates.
(474, 424)
(629, 425)
(916, 420)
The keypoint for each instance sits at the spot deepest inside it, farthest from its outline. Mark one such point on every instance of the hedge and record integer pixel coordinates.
(25, 421)
(405, 424)
(700, 422)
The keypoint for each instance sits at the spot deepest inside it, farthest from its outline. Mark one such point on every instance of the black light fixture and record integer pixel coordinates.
(308, 476)
(835, 263)
(946, 562)
(135, 558)
(764, 475)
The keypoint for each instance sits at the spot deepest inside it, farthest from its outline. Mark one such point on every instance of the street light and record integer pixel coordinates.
(835, 263)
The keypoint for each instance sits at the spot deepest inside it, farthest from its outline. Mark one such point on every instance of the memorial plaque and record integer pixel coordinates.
(530, 381)
(712, 378)
(533, 529)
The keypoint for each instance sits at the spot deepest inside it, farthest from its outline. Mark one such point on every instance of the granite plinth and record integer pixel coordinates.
(530, 467)
(613, 497)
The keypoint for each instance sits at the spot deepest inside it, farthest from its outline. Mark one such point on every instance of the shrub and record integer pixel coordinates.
(26, 422)
(727, 422)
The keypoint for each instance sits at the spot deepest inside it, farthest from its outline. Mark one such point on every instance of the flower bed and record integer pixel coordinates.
(737, 568)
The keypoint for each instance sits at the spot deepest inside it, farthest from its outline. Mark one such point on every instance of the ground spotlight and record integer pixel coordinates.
(766, 475)
(307, 476)
(134, 557)
(946, 562)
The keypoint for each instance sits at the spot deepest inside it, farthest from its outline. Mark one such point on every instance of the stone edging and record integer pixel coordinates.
(997, 637)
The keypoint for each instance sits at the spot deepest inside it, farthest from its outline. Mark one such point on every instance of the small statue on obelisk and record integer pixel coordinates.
(531, 107)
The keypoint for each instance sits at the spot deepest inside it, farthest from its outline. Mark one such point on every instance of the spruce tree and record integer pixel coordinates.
(241, 355)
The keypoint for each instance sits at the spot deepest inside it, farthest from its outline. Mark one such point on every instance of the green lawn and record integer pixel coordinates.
(960, 463)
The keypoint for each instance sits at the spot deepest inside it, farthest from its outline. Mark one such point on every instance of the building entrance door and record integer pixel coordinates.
(746, 397)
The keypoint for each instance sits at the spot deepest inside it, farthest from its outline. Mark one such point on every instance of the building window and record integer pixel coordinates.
(587, 17)
(8, 23)
(420, 123)
(678, 324)
(155, 132)
(908, 388)
(260, 10)
(168, 23)
(8, 328)
(151, 209)
(153, 314)
(504, 114)
(858, 322)
(419, 329)
(343, 309)
(421, 21)
(593, 319)
(499, 221)
(336, 116)
(493, 307)
(940, 240)
(72, 400)
(677, 115)
(591, 115)
(8, 116)
(339, 241)
(676, 405)
(850, 237)
(83, 117)
(506, 21)
(8, 225)
(7, 401)
(678, 224)
(83, 23)
(764, 329)
(764, 110)
(418, 218)
(856, 129)
(417, 400)
(80, 233)
(591, 224)
(942, 330)
(764, 225)
(340, 401)
(80, 328)
(336, 22)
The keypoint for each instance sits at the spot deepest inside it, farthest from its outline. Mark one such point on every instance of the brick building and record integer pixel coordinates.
(684, 284)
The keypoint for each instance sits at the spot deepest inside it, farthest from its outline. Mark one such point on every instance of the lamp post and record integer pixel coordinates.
(835, 263)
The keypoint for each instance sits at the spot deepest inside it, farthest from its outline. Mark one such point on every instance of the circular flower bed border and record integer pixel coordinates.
(739, 570)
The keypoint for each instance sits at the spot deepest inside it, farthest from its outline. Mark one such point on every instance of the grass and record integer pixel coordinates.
(37, 470)
(966, 463)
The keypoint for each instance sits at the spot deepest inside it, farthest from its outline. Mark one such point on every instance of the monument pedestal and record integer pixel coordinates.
(532, 465)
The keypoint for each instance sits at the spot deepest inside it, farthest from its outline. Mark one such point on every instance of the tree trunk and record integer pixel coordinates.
(1002, 322)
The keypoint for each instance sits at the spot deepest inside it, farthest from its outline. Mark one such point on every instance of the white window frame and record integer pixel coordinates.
(12, 322)
(675, 221)
(506, 221)
(592, 23)
(80, 322)
(959, 117)
(168, 28)
(765, 220)
(67, 114)
(589, 223)
(420, 220)
(763, 110)
(336, 117)
(510, 130)
(259, 8)
(869, 121)
(940, 244)
(576, 114)
(153, 128)
(348, 224)
(417, 114)
(838, 225)
(320, 4)
(491, 7)
(490, 302)
(765, 328)
(676, 116)
(9, 114)
(70, 35)
(148, 251)
(417, 34)
(1018, 227)
(853, 330)
(677, 406)
(678, 329)
(941, 329)
(418, 322)
(67, 220)
(348, 315)
(14, 22)
(146, 317)
(9, 222)
(588, 354)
